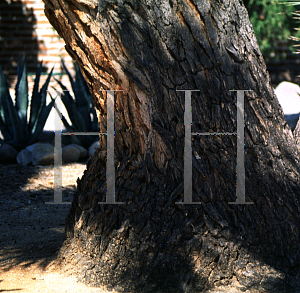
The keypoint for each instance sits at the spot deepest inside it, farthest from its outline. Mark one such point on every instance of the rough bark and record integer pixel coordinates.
(150, 49)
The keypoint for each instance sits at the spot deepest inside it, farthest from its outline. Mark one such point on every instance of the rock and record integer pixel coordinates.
(296, 133)
(287, 94)
(292, 120)
(37, 154)
(8, 154)
(83, 151)
(43, 154)
(73, 153)
(70, 153)
(24, 157)
(92, 148)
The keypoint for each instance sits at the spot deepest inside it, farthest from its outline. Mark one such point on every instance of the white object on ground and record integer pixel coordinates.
(287, 94)
(92, 148)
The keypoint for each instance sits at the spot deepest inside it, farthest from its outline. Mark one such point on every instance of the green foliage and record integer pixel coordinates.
(296, 16)
(15, 129)
(81, 110)
(272, 21)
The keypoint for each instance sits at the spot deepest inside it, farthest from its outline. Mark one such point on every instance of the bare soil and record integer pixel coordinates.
(32, 231)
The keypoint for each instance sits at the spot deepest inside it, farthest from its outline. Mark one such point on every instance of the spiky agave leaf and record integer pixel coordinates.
(10, 114)
(18, 135)
(13, 118)
(82, 84)
(80, 115)
(40, 122)
(82, 99)
(94, 123)
(72, 82)
(35, 98)
(68, 127)
(21, 90)
(4, 132)
(74, 115)
(81, 94)
(41, 102)
(5, 123)
(82, 102)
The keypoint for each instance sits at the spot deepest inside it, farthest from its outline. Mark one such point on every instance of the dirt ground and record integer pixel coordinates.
(32, 231)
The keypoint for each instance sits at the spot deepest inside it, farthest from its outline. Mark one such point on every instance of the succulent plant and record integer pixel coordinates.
(15, 129)
(81, 110)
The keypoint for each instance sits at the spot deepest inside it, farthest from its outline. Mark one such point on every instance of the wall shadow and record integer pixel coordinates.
(17, 36)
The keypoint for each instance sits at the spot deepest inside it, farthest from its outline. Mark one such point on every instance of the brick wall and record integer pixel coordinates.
(24, 28)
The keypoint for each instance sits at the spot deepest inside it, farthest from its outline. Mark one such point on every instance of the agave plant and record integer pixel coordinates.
(81, 109)
(15, 129)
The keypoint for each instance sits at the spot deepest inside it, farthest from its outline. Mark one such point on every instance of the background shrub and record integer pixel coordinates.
(272, 21)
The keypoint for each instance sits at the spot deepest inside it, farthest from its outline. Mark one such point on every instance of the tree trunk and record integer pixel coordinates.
(151, 49)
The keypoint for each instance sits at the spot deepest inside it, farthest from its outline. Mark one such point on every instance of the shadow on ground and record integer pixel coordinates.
(31, 231)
